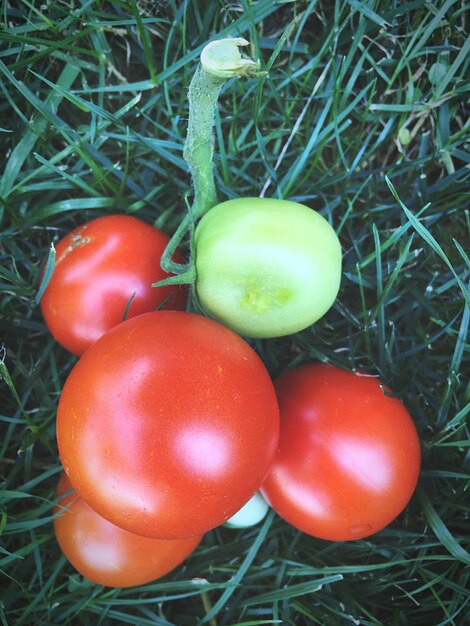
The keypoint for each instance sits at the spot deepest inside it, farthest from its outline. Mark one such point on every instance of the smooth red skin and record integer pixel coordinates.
(99, 267)
(349, 455)
(108, 555)
(168, 424)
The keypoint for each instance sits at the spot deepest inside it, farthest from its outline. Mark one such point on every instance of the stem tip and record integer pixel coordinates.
(222, 58)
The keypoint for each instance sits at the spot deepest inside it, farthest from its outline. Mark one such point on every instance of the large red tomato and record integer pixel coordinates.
(108, 555)
(349, 455)
(168, 424)
(100, 268)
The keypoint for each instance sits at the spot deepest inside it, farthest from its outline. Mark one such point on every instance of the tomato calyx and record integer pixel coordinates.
(186, 277)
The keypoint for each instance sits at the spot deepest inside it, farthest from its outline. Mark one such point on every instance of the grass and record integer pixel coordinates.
(362, 117)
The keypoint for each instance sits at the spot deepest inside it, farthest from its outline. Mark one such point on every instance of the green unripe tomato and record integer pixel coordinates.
(266, 267)
(252, 513)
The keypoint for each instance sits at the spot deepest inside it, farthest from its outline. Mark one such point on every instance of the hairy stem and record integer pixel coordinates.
(199, 147)
(220, 60)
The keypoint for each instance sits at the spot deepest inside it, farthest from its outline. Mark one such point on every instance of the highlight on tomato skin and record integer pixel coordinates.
(108, 555)
(103, 273)
(349, 455)
(168, 424)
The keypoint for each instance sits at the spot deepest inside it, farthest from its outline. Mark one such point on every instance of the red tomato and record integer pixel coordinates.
(108, 555)
(99, 267)
(349, 455)
(168, 424)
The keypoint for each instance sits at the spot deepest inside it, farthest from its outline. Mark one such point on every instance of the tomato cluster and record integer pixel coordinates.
(169, 422)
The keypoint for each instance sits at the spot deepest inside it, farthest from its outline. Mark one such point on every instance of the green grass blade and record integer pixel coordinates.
(430, 240)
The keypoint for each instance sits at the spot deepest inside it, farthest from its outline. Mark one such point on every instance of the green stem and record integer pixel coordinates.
(166, 261)
(220, 60)
(198, 151)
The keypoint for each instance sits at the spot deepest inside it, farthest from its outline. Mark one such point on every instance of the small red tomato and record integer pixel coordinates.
(349, 455)
(100, 268)
(108, 555)
(168, 424)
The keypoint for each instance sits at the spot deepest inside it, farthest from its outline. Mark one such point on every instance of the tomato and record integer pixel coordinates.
(252, 513)
(108, 555)
(266, 268)
(99, 268)
(168, 424)
(349, 455)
